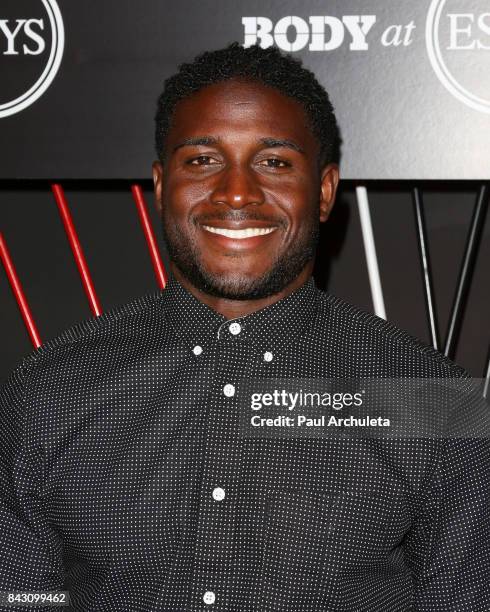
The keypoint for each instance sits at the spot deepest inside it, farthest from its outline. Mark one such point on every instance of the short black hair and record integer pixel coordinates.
(267, 66)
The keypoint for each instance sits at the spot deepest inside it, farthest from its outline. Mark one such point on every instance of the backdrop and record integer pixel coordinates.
(409, 80)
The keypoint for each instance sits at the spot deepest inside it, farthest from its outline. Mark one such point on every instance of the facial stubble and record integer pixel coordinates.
(237, 285)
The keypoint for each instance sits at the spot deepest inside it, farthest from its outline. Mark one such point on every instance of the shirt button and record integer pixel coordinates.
(229, 390)
(218, 494)
(235, 328)
(209, 597)
(268, 356)
(197, 350)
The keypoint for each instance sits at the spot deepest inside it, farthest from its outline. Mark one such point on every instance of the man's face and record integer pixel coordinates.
(241, 193)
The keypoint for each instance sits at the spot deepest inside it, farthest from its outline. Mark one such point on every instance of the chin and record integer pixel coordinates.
(232, 285)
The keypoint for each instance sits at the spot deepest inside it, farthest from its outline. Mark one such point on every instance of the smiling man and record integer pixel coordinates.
(127, 477)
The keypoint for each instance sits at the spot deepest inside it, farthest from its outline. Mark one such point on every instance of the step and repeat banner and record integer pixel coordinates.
(410, 81)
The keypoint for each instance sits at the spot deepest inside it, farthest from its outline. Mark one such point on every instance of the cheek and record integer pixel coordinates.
(191, 192)
(296, 192)
(302, 210)
(179, 200)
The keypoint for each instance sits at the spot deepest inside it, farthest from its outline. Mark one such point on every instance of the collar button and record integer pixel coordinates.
(235, 328)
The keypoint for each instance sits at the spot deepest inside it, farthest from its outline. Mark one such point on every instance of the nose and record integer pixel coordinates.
(237, 187)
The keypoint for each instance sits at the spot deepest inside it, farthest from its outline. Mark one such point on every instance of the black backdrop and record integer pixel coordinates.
(399, 120)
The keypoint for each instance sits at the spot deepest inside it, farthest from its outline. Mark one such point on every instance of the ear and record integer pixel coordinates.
(329, 182)
(157, 171)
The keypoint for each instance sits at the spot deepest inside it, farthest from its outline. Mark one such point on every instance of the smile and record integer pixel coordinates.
(247, 232)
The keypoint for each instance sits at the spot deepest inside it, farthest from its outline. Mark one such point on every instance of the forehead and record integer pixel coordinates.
(241, 107)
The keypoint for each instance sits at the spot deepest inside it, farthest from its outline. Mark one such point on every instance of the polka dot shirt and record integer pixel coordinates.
(124, 479)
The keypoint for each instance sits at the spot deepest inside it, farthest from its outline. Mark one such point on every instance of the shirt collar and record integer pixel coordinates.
(280, 323)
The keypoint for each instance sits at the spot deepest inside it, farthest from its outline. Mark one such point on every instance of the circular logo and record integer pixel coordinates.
(457, 36)
(23, 40)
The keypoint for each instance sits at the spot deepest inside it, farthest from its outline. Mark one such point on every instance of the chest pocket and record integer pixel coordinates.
(312, 542)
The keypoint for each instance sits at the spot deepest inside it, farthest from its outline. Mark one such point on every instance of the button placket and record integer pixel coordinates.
(216, 540)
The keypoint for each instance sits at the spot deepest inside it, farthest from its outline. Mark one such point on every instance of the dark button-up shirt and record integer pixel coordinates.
(125, 480)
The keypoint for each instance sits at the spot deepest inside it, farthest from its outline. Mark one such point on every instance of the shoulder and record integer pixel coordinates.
(123, 324)
(375, 345)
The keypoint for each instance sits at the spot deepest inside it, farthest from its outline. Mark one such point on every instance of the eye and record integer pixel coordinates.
(274, 162)
(202, 160)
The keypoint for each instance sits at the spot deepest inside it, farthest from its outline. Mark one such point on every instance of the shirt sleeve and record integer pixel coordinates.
(31, 551)
(449, 549)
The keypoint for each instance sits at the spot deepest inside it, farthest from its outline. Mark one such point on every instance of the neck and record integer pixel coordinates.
(232, 309)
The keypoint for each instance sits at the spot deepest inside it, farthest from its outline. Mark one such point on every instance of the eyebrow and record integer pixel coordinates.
(210, 140)
(275, 142)
(196, 141)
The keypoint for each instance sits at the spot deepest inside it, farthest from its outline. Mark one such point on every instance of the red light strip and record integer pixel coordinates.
(76, 248)
(158, 266)
(14, 281)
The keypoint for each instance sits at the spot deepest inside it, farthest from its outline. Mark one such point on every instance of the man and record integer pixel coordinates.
(127, 477)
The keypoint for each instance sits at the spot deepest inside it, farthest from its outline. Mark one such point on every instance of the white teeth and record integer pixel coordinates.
(239, 233)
